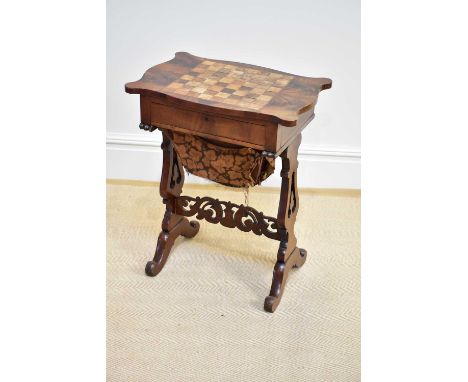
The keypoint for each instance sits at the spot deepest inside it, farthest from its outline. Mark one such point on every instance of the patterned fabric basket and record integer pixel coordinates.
(230, 166)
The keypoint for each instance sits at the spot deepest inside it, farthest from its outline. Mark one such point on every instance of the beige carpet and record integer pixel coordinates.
(202, 318)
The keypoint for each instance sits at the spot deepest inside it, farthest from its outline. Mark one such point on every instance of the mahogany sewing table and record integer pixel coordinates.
(227, 121)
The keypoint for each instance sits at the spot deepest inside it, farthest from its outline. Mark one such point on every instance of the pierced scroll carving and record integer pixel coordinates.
(229, 215)
(172, 176)
(176, 172)
(292, 196)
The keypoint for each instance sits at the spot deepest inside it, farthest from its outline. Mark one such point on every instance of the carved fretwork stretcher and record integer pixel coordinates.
(227, 122)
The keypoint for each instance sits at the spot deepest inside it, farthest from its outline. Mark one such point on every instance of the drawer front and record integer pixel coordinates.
(208, 125)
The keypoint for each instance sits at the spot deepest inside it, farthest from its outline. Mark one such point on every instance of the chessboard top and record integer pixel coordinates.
(231, 88)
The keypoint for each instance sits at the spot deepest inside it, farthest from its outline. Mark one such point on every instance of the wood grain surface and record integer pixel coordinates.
(231, 88)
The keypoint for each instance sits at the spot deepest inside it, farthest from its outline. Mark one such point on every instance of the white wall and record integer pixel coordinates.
(311, 38)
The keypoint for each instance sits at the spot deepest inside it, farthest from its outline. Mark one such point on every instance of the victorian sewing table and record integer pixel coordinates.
(227, 122)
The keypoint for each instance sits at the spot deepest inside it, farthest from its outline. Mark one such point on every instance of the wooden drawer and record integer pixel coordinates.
(208, 125)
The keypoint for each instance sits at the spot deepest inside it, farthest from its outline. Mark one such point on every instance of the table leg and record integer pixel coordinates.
(289, 255)
(173, 225)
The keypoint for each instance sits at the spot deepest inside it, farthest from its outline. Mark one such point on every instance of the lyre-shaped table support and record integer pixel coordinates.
(173, 224)
(289, 255)
(231, 215)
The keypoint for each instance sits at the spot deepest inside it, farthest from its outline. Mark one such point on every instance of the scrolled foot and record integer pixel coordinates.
(271, 302)
(165, 242)
(151, 269)
(191, 229)
(301, 259)
(280, 277)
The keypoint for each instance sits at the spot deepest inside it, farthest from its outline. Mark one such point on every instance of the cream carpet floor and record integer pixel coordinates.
(202, 319)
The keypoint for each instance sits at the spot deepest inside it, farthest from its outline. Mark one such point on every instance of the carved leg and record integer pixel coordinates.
(289, 255)
(280, 276)
(173, 225)
(165, 242)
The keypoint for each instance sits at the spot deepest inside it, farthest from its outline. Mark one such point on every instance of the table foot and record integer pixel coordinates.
(280, 277)
(166, 240)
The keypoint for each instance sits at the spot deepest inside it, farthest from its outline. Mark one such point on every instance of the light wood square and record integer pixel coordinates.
(175, 85)
(205, 96)
(282, 82)
(222, 95)
(210, 81)
(257, 91)
(240, 93)
(264, 98)
(199, 90)
(187, 77)
(250, 85)
(226, 80)
(234, 86)
(199, 69)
